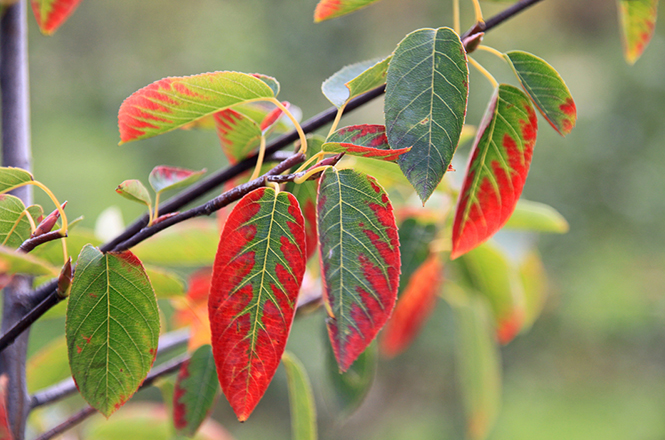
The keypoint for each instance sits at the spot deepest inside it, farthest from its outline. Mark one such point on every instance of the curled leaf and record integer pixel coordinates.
(134, 191)
(163, 177)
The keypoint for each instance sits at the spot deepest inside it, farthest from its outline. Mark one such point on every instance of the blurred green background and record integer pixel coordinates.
(593, 366)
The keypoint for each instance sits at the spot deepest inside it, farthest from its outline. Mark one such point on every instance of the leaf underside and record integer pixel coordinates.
(363, 140)
(51, 14)
(354, 80)
(327, 9)
(163, 178)
(638, 23)
(238, 134)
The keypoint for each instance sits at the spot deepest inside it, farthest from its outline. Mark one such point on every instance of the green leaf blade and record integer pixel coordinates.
(11, 177)
(135, 191)
(350, 388)
(303, 410)
(15, 227)
(538, 217)
(355, 79)
(638, 23)
(12, 262)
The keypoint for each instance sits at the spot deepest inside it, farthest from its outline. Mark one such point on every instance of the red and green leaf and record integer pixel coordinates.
(360, 259)
(112, 327)
(364, 141)
(354, 80)
(546, 89)
(638, 23)
(272, 118)
(301, 398)
(425, 104)
(194, 392)
(327, 9)
(257, 274)
(497, 169)
(163, 177)
(173, 102)
(135, 191)
(414, 307)
(51, 14)
(238, 134)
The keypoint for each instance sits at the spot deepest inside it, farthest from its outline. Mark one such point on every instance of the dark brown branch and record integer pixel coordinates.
(32, 243)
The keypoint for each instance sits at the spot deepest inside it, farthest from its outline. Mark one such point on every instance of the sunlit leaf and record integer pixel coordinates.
(11, 177)
(638, 22)
(425, 104)
(546, 88)
(163, 178)
(360, 259)
(112, 327)
(534, 216)
(327, 9)
(12, 262)
(134, 191)
(350, 388)
(499, 163)
(415, 236)
(238, 134)
(364, 141)
(48, 366)
(269, 81)
(301, 398)
(414, 307)
(166, 284)
(195, 391)
(534, 280)
(354, 80)
(51, 14)
(258, 270)
(15, 227)
(172, 102)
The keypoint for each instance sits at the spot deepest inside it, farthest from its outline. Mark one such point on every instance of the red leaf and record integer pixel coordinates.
(50, 14)
(5, 429)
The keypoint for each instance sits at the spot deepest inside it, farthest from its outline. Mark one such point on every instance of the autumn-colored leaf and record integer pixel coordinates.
(350, 388)
(360, 259)
(194, 392)
(272, 118)
(261, 111)
(237, 133)
(173, 102)
(135, 191)
(497, 169)
(257, 274)
(327, 9)
(11, 177)
(354, 80)
(546, 88)
(163, 177)
(638, 23)
(112, 327)
(301, 398)
(364, 141)
(414, 307)
(534, 216)
(425, 104)
(51, 14)
(5, 428)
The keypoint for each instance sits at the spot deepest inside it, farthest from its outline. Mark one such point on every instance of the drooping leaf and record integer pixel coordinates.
(238, 134)
(135, 191)
(195, 391)
(48, 366)
(14, 224)
(5, 428)
(51, 14)
(415, 236)
(534, 281)
(534, 216)
(12, 262)
(172, 102)
(166, 284)
(354, 80)
(301, 398)
(425, 104)
(638, 23)
(498, 166)
(364, 141)
(192, 243)
(258, 270)
(360, 259)
(414, 307)
(327, 9)
(11, 177)
(546, 88)
(112, 327)
(163, 177)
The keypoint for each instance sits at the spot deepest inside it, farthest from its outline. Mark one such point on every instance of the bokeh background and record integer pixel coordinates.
(592, 367)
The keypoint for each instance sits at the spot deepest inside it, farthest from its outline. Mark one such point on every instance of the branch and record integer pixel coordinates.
(32, 243)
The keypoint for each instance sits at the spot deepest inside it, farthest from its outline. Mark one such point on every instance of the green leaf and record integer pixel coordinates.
(534, 281)
(497, 170)
(51, 14)
(360, 259)
(172, 102)
(48, 366)
(238, 134)
(12, 262)
(364, 141)
(269, 81)
(112, 327)
(163, 177)
(638, 23)
(546, 89)
(195, 391)
(11, 177)
(534, 216)
(15, 227)
(167, 284)
(354, 80)
(425, 104)
(257, 274)
(350, 388)
(303, 410)
(134, 191)
(327, 9)
(415, 236)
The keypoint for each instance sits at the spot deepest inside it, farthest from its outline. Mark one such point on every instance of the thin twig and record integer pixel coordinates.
(32, 243)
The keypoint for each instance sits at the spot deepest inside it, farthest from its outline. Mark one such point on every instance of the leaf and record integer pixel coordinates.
(163, 177)
(360, 259)
(195, 391)
(350, 388)
(364, 141)
(112, 327)
(273, 118)
(414, 307)
(354, 80)
(534, 216)
(12, 262)
(238, 134)
(327, 9)
(498, 166)
(51, 14)
(534, 281)
(303, 410)
(194, 311)
(258, 111)
(546, 89)
(415, 236)
(11, 177)
(5, 428)
(48, 366)
(172, 102)
(134, 191)
(257, 274)
(166, 284)
(425, 104)
(14, 224)
(638, 23)
(269, 81)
